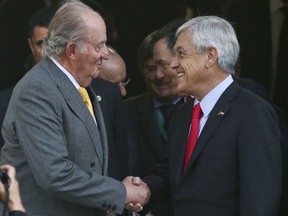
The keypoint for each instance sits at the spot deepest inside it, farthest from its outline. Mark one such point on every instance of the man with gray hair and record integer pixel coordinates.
(230, 165)
(54, 130)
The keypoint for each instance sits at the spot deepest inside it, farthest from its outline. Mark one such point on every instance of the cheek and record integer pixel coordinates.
(38, 51)
(187, 66)
(173, 77)
(148, 80)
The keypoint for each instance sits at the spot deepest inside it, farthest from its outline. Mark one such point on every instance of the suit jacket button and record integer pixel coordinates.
(92, 164)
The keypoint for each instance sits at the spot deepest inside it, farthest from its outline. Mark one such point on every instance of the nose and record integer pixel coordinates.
(175, 63)
(159, 73)
(105, 52)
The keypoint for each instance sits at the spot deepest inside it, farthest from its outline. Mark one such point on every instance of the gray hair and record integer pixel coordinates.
(67, 26)
(212, 31)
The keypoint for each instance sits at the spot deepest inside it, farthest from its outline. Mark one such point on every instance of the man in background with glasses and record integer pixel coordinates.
(150, 112)
(114, 70)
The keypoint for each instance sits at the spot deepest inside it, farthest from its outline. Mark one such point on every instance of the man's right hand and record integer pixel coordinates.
(138, 193)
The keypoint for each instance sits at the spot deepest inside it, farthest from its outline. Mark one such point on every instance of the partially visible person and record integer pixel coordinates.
(60, 142)
(259, 25)
(37, 32)
(14, 16)
(261, 91)
(15, 205)
(120, 138)
(110, 88)
(123, 153)
(5, 96)
(235, 161)
(142, 17)
(114, 70)
(37, 29)
(150, 112)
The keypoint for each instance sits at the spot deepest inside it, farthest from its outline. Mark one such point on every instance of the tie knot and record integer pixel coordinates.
(83, 92)
(197, 112)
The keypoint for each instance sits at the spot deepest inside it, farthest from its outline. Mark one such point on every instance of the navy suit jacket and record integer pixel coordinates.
(142, 112)
(236, 166)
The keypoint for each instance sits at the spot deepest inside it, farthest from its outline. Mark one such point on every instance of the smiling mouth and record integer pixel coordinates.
(180, 74)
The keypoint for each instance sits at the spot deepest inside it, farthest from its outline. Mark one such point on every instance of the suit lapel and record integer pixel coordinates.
(75, 102)
(151, 131)
(101, 127)
(217, 114)
(180, 124)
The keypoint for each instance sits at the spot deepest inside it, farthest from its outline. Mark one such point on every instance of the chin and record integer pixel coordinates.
(95, 75)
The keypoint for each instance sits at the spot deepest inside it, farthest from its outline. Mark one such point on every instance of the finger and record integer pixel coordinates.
(136, 181)
(138, 207)
(134, 208)
(129, 206)
(9, 169)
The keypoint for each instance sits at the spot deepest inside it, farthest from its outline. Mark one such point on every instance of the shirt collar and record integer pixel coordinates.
(68, 74)
(209, 101)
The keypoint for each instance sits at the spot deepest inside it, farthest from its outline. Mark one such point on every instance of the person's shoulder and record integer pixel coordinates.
(246, 98)
(254, 86)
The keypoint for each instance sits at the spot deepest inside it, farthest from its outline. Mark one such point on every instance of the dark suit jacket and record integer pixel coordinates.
(123, 150)
(152, 145)
(258, 89)
(236, 166)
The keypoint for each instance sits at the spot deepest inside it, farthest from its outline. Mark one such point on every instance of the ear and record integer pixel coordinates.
(212, 55)
(30, 45)
(71, 51)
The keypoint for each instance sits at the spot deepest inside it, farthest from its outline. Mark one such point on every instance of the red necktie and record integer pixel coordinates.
(193, 135)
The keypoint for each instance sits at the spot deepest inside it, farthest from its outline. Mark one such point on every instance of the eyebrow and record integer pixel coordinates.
(179, 48)
(161, 61)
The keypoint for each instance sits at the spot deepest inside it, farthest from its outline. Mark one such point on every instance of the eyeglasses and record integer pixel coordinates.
(125, 82)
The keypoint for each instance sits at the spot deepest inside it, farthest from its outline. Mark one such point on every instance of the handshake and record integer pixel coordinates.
(138, 193)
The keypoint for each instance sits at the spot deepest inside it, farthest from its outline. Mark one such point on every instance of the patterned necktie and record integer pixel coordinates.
(84, 94)
(193, 135)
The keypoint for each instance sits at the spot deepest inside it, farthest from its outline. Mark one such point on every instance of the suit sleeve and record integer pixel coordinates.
(259, 157)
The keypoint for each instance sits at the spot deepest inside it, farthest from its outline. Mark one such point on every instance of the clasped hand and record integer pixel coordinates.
(138, 193)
